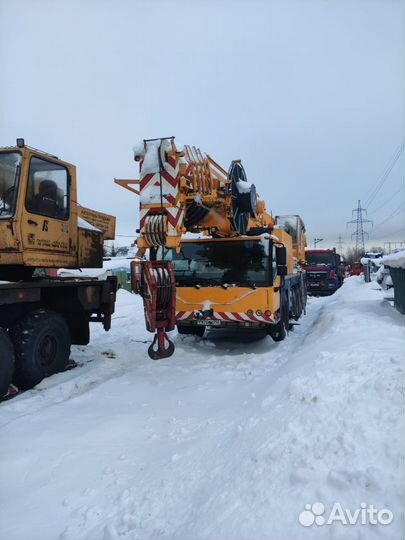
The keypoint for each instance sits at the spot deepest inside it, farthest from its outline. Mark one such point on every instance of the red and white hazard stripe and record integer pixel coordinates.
(184, 315)
(229, 316)
(164, 184)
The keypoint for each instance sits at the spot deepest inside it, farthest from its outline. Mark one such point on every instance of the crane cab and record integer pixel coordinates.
(39, 216)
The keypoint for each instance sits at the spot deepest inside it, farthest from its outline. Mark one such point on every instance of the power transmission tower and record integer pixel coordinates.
(360, 233)
(340, 244)
(316, 241)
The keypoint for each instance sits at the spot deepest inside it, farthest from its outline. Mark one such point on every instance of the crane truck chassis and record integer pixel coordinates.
(43, 227)
(243, 269)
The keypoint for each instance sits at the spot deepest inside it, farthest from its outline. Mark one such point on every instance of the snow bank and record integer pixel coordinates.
(228, 439)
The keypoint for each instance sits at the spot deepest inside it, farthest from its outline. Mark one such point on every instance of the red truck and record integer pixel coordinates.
(356, 269)
(325, 271)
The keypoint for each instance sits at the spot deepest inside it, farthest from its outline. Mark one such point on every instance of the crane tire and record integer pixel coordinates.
(42, 346)
(279, 331)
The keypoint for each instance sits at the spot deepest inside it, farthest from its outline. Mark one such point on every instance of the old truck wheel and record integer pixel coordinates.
(6, 362)
(42, 347)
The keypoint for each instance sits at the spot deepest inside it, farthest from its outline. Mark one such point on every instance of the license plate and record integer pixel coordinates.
(208, 322)
(314, 284)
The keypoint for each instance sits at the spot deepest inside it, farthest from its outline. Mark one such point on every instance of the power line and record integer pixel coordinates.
(391, 233)
(386, 174)
(395, 213)
(389, 199)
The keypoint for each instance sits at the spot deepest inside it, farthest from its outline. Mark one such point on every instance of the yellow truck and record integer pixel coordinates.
(42, 228)
(216, 257)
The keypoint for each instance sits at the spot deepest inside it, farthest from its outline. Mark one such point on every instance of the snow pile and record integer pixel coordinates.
(152, 160)
(128, 252)
(383, 277)
(374, 254)
(228, 439)
(244, 187)
(139, 149)
(394, 260)
(376, 263)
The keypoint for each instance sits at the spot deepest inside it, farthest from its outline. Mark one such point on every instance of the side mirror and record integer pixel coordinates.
(281, 260)
(281, 255)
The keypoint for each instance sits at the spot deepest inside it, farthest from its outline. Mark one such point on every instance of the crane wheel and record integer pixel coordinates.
(6, 362)
(42, 347)
(279, 331)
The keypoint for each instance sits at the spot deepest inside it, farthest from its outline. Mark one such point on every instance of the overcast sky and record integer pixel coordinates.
(309, 94)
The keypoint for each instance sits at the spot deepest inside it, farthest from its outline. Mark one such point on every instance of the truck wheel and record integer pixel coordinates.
(42, 347)
(191, 330)
(280, 330)
(6, 362)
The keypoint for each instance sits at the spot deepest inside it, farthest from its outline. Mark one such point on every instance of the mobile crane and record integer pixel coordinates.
(43, 227)
(216, 257)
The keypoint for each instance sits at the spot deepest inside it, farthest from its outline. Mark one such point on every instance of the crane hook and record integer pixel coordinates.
(161, 347)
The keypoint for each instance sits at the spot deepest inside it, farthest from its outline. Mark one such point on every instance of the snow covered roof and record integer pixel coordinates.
(395, 260)
(375, 261)
(83, 224)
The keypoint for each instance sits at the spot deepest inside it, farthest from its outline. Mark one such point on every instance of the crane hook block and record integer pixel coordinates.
(158, 290)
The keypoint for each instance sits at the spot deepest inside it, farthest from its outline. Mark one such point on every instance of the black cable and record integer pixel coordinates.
(389, 199)
(392, 233)
(386, 174)
(396, 212)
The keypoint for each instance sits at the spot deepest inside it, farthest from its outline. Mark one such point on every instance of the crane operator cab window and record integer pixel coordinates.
(10, 164)
(48, 189)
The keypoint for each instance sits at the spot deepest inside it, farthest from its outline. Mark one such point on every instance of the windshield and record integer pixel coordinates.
(9, 173)
(218, 263)
(317, 259)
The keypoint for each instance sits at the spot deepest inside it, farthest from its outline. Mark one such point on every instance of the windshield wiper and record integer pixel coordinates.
(196, 282)
(210, 281)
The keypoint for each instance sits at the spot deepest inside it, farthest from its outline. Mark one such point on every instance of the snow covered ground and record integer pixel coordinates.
(227, 440)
